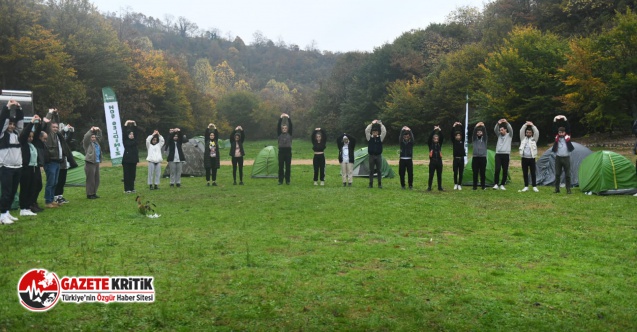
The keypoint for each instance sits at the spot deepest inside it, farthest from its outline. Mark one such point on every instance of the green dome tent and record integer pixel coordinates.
(467, 176)
(361, 165)
(607, 173)
(266, 164)
(76, 177)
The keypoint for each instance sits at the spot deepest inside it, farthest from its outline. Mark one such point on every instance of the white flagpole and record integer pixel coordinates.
(466, 132)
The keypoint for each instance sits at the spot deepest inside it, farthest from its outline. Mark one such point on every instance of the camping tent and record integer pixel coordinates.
(467, 176)
(545, 166)
(76, 177)
(193, 151)
(361, 165)
(607, 173)
(266, 164)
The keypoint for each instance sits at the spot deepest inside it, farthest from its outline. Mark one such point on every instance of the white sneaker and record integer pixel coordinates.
(502, 188)
(635, 195)
(5, 220)
(322, 183)
(9, 216)
(536, 190)
(525, 189)
(495, 187)
(27, 212)
(455, 187)
(459, 187)
(315, 183)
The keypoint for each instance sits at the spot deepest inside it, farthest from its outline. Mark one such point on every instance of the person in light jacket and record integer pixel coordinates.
(504, 134)
(528, 151)
(154, 144)
(346, 146)
(92, 158)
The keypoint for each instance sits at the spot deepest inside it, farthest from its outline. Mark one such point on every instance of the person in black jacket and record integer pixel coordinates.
(30, 173)
(435, 157)
(237, 153)
(459, 154)
(406, 163)
(12, 122)
(375, 133)
(346, 146)
(176, 155)
(319, 144)
(211, 160)
(562, 149)
(284, 132)
(131, 156)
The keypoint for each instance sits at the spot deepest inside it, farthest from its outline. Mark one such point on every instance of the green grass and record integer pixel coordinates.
(265, 257)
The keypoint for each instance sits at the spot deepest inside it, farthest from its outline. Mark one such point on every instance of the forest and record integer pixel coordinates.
(522, 60)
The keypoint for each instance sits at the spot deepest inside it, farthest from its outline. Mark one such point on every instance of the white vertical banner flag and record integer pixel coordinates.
(466, 132)
(113, 126)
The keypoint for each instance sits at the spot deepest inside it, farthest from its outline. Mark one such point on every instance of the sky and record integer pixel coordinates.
(329, 25)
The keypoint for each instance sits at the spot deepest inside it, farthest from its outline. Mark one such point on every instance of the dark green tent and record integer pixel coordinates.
(607, 173)
(361, 165)
(266, 164)
(467, 176)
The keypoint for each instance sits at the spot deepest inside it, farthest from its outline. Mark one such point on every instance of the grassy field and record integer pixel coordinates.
(265, 257)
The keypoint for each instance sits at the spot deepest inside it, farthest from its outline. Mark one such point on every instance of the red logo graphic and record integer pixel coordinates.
(39, 290)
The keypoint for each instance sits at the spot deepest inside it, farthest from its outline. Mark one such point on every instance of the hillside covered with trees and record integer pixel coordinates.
(518, 59)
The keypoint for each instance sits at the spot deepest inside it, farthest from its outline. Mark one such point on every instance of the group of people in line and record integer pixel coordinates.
(375, 134)
(44, 144)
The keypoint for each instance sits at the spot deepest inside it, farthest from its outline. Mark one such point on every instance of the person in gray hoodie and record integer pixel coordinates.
(504, 133)
(479, 159)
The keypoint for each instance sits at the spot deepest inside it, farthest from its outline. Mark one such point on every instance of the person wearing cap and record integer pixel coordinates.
(154, 144)
(562, 147)
(479, 159)
(435, 157)
(319, 139)
(459, 154)
(92, 158)
(131, 156)
(375, 133)
(211, 158)
(406, 163)
(237, 153)
(176, 157)
(346, 146)
(504, 133)
(528, 151)
(10, 157)
(284, 132)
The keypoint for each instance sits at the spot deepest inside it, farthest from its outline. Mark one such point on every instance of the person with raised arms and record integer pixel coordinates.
(480, 152)
(562, 147)
(406, 163)
(459, 154)
(319, 143)
(375, 133)
(504, 133)
(346, 147)
(435, 157)
(154, 144)
(237, 153)
(528, 151)
(284, 132)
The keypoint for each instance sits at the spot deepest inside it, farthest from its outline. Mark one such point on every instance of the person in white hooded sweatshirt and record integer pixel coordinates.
(528, 151)
(154, 144)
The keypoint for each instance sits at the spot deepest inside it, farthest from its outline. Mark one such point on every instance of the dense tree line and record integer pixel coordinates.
(518, 59)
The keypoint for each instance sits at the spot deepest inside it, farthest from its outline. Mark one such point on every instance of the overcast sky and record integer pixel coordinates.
(333, 25)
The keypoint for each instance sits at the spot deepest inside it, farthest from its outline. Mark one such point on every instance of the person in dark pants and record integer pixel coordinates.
(237, 153)
(284, 132)
(30, 172)
(435, 157)
(459, 154)
(211, 160)
(131, 156)
(504, 134)
(406, 163)
(528, 151)
(176, 156)
(375, 133)
(92, 158)
(54, 157)
(10, 157)
(479, 159)
(319, 143)
(562, 149)
(40, 145)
